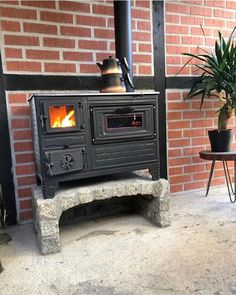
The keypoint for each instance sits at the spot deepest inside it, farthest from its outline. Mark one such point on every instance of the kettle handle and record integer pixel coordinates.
(125, 62)
(127, 77)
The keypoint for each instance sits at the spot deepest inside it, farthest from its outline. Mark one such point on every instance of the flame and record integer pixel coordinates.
(59, 117)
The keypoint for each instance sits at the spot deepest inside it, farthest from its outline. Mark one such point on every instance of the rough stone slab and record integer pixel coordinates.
(153, 204)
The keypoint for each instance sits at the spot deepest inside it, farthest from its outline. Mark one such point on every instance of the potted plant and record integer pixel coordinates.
(218, 78)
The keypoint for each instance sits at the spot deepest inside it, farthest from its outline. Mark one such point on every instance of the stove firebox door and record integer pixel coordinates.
(123, 123)
(61, 116)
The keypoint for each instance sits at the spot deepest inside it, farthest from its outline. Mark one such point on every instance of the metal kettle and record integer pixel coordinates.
(112, 78)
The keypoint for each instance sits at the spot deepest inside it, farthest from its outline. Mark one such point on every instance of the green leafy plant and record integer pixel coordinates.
(218, 76)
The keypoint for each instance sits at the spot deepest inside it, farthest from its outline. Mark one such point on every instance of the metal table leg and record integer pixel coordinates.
(210, 176)
(229, 181)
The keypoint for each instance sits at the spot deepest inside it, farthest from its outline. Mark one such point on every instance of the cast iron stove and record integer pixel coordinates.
(86, 135)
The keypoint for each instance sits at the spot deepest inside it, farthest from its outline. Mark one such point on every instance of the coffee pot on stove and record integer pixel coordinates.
(113, 77)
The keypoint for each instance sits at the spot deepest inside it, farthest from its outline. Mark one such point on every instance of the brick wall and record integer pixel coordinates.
(61, 38)
(187, 126)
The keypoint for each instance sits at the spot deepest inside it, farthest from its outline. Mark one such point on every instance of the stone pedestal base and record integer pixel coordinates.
(152, 201)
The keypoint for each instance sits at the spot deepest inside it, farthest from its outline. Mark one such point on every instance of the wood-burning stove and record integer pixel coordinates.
(86, 135)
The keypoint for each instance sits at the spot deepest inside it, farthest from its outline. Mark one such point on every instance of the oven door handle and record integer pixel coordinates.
(124, 110)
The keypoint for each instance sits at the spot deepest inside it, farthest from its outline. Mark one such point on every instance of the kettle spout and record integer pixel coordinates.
(99, 65)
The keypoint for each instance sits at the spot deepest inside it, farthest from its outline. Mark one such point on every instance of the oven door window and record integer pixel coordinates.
(123, 122)
(62, 116)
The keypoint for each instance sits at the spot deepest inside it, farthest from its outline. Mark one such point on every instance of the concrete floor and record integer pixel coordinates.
(125, 254)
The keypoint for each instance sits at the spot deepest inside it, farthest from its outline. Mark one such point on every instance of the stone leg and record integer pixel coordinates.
(156, 206)
(46, 219)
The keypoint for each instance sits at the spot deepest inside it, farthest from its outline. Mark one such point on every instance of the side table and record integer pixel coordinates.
(223, 157)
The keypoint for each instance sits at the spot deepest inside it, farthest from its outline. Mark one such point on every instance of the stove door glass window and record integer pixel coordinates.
(124, 121)
(62, 116)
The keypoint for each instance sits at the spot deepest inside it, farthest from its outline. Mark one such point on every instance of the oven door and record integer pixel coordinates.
(59, 116)
(122, 123)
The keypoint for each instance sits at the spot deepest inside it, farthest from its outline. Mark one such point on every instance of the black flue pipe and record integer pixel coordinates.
(123, 35)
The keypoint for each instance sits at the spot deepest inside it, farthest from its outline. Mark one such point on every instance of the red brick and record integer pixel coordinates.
(22, 134)
(42, 54)
(60, 67)
(176, 188)
(26, 180)
(191, 20)
(144, 47)
(23, 146)
(20, 110)
(39, 28)
(201, 176)
(21, 40)
(88, 68)
(223, 13)
(24, 66)
(17, 98)
(179, 142)
(102, 9)
(10, 26)
(24, 158)
(13, 52)
(174, 116)
(180, 179)
(26, 215)
(26, 204)
(173, 49)
(173, 60)
(104, 34)
(42, 4)
(142, 58)
(191, 115)
(20, 123)
(91, 21)
(174, 96)
(198, 31)
(194, 185)
(24, 192)
(25, 169)
(194, 132)
(140, 14)
(174, 134)
(195, 168)
(145, 70)
(75, 31)
(10, 2)
(57, 17)
(218, 23)
(143, 3)
(231, 4)
(177, 29)
(190, 151)
(57, 42)
(200, 141)
(175, 153)
(80, 56)
(203, 11)
(94, 45)
(175, 171)
(177, 8)
(180, 161)
(74, 6)
(12, 12)
(179, 124)
(141, 36)
(178, 105)
(173, 19)
(202, 123)
(143, 25)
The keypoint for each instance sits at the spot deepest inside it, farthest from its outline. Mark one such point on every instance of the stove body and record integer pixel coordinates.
(87, 135)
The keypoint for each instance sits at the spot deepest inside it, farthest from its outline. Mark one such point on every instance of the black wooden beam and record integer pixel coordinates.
(6, 177)
(183, 82)
(159, 78)
(14, 82)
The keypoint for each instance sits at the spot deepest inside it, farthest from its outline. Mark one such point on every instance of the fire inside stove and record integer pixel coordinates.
(62, 116)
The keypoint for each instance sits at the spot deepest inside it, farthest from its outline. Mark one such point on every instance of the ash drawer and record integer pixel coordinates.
(65, 161)
(124, 154)
(61, 141)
